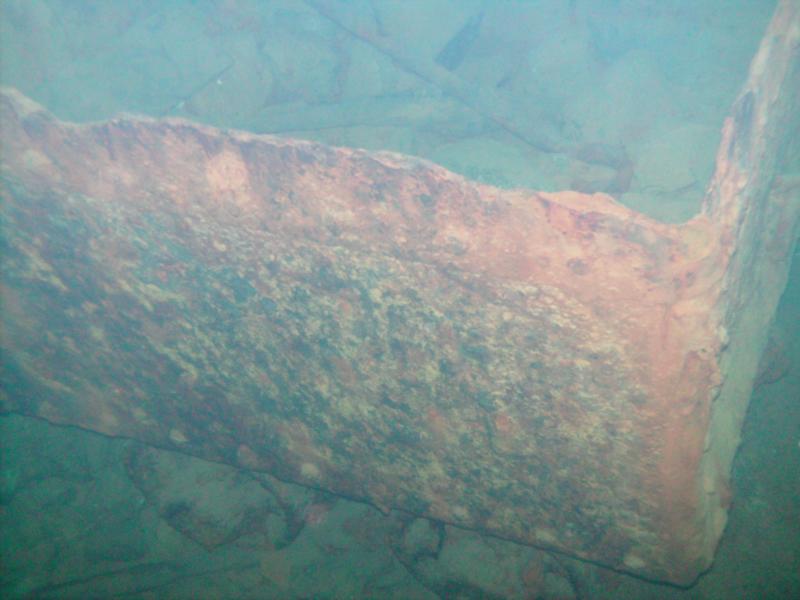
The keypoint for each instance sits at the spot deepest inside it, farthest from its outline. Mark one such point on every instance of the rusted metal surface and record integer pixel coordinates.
(541, 367)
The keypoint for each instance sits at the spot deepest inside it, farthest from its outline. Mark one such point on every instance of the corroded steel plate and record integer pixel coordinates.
(541, 367)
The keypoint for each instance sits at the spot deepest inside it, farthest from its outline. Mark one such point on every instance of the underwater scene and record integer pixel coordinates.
(400, 299)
